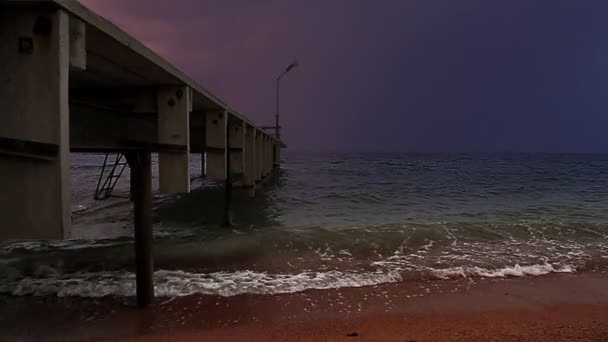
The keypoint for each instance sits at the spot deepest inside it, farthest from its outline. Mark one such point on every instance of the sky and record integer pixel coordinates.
(395, 75)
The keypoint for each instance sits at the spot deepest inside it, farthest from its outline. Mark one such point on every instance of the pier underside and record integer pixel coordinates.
(74, 82)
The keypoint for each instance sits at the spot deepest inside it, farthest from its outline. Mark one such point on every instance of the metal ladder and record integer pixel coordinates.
(106, 185)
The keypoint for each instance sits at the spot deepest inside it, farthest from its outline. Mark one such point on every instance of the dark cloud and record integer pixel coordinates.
(412, 75)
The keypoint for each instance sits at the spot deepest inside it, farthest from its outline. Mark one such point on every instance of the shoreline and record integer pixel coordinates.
(550, 307)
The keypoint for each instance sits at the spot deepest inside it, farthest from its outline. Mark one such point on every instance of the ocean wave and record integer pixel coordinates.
(509, 271)
(176, 283)
(66, 245)
(181, 283)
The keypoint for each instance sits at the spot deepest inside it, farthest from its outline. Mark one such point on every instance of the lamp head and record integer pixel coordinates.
(294, 64)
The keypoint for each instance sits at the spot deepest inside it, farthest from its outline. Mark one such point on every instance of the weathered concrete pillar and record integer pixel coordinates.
(270, 155)
(277, 155)
(227, 219)
(237, 157)
(267, 162)
(259, 152)
(264, 156)
(174, 107)
(215, 136)
(249, 149)
(34, 129)
(264, 152)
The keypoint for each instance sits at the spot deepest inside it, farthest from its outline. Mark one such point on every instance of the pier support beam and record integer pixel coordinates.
(249, 166)
(267, 151)
(215, 136)
(259, 152)
(237, 156)
(141, 187)
(276, 155)
(271, 152)
(174, 107)
(262, 156)
(34, 129)
(227, 219)
(270, 156)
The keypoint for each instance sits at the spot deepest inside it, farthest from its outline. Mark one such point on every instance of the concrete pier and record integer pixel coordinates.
(73, 81)
(259, 153)
(266, 164)
(237, 155)
(174, 107)
(216, 142)
(249, 149)
(34, 134)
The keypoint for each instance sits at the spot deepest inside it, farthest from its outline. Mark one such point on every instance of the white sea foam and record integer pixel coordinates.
(180, 283)
(60, 245)
(509, 271)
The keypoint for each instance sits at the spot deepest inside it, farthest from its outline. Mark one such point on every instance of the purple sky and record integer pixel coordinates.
(403, 75)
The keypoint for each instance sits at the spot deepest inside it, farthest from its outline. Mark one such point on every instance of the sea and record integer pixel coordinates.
(332, 220)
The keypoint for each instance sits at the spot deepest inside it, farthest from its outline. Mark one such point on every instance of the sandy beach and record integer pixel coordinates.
(303, 170)
(547, 308)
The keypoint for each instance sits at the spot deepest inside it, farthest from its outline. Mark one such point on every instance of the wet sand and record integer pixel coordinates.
(554, 323)
(559, 307)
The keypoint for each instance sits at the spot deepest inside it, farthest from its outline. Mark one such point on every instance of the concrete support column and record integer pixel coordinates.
(227, 220)
(174, 107)
(237, 157)
(264, 152)
(34, 129)
(215, 136)
(259, 160)
(264, 155)
(267, 154)
(249, 149)
(270, 155)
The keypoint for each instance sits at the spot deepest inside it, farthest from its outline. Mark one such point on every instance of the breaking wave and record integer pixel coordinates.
(180, 283)
(175, 283)
(515, 271)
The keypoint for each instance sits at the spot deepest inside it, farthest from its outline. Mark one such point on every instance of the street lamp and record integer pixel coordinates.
(277, 128)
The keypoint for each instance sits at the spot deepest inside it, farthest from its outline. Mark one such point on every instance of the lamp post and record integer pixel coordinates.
(288, 69)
